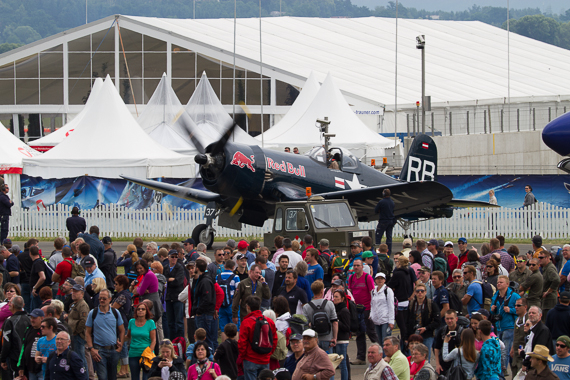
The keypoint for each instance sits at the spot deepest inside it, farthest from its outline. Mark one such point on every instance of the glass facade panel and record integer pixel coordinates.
(134, 61)
(184, 88)
(227, 91)
(125, 90)
(254, 124)
(103, 64)
(209, 65)
(51, 122)
(7, 71)
(58, 48)
(228, 71)
(154, 65)
(79, 90)
(51, 65)
(240, 90)
(80, 44)
(132, 41)
(216, 86)
(149, 87)
(285, 93)
(51, 91)
(6, 91)
(77, 63)
(107, 42)
(27, 67)
(152, 44)
(254, 91)
(183, 65)
(27, 91)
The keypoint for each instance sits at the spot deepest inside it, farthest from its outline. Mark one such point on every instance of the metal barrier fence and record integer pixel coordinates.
(551, 222)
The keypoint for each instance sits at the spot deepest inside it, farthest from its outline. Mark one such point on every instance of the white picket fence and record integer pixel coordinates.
(551, 222)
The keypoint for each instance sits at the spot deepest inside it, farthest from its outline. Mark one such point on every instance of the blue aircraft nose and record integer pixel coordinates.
(556, 134)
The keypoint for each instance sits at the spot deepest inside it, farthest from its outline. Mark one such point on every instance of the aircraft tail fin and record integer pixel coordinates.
(421, 163)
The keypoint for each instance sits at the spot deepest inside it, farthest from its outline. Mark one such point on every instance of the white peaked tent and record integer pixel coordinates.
(161, 120)
(205, 109)
(297, 110)
(108, 143)
(350, 131)
(49, 141)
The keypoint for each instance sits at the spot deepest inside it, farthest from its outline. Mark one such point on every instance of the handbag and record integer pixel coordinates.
(146, 359)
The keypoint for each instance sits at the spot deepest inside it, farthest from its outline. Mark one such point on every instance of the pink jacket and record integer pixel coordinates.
(5, 313)
(193, 373)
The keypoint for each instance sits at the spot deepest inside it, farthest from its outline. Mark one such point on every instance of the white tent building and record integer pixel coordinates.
(49, 141)
(161, 119)
(109, 143)
(350, 132)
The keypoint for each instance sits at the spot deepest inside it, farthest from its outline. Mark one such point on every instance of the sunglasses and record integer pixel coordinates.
(464, 273)
(490, 266)
(517, 305)
(43, 327)
(541, 257)
(221, 254)
(532, 265)
(457, 276)
(420, 291)
(521, 261)
(561, 345)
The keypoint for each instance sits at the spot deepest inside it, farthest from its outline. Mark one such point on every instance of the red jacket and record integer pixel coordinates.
(219, 296)
(453, 263)
(245, 336)
(462, 260)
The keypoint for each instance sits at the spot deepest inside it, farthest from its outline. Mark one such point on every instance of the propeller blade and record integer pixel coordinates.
(197, 137)
(239, 121)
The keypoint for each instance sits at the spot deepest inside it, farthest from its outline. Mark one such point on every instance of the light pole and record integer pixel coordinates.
(421, 44)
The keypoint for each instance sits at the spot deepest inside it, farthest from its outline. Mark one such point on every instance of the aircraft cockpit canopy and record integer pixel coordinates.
(343, 158)
(318, 154)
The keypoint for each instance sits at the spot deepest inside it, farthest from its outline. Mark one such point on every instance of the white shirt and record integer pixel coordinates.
(294, 258)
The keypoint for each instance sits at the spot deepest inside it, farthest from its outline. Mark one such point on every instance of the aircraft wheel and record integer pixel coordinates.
(201, 235)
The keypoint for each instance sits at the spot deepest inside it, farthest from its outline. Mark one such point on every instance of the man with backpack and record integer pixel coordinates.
(204, 303)
(474, 295)
(38, 277)
(368, 246)
(326, 254)
(361, 286)
(228, 281)
(257, 339)
(104, 334)
(385, 263)
(14, 330)
(454, 330)
(322, 317)
(426, 255)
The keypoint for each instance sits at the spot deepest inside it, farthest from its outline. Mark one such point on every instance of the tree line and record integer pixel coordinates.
(23, 22)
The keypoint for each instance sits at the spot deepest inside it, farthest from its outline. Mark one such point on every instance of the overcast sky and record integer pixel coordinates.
(554, 6)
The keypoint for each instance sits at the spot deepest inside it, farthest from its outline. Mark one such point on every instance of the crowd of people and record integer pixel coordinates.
(289, 312)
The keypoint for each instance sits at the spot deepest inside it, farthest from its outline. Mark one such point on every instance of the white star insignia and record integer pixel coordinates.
(354, 184)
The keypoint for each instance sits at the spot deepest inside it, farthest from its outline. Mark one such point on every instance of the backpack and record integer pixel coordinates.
(297, 323)
(354, 323)
(323, 259)
(429, 257)
(488, 292)
(339, 264)
(49, 272)
(385, 267)
(457, 372)
(455, 303)
(115, 314)
(463, 322)
(180, 347)
(76, 270)
(395, 301)
(320, 323)
(441, 265)
(225, 285)
(262, 338)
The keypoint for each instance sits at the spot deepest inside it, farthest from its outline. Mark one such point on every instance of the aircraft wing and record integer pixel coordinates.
(194, 195)
(469, 203)
(408, 197)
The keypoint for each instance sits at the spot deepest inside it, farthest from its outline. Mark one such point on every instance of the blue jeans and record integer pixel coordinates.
(210, 324)
(508, 337)
(78, 346)
(325, 345)
(175, 315)
(36, 302)
(225, 315)
(27, 296)
(36, 376)
(382, 332)
(429, 343)
(341, 349)
(387, 228)
(136, 369)
(251, 370)
(106, 368)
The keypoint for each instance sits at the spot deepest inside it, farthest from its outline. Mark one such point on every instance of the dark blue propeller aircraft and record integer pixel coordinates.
(556, 135)
(245, 182)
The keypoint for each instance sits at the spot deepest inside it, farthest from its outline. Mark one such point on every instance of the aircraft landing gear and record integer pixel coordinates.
(406, 225)
(204, 233)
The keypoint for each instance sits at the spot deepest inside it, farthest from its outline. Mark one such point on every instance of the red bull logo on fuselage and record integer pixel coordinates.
(286, 167)
(242, 161)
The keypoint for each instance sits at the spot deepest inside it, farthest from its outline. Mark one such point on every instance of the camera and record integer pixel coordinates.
(495, 318)
(452, 333)
(417, 329)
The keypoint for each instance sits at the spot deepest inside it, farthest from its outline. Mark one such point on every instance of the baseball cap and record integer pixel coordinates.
(78, 287)
(462, 240)
(440, 243)
(309, 332)
(88, 261)
(6, 241)
(107, 240)
(380, 274)
(355, 243)
(324, 242)
(71, 281)
(564, 339)
(242, 244)
(537, 240)
(190, 264)
(337, 282)
(296, 336)
(448, 243)
(433, 242)
(172, 252)
(231, 243)
(483, 312)
(15, 249)
(282, 374)
(37, 313)
(565, 296)
(240, 256)
(407, 243)
(424, 269)
(189, 241)
(367, 254)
